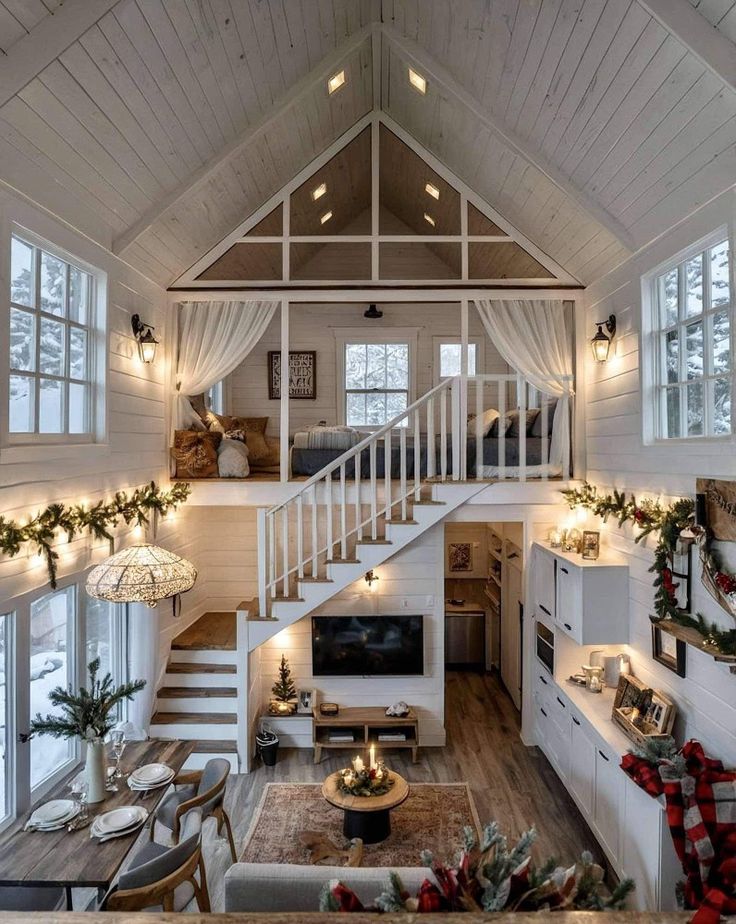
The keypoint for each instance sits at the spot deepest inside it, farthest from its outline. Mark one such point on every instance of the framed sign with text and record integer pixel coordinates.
(302, 374)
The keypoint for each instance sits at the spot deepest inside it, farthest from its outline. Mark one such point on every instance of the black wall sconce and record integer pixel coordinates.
(601, 343)
(143, 334)
(371, 579)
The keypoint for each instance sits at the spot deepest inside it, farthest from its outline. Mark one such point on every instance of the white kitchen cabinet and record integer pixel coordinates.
(582, 765)
(560, 734)
(591, 602)
(544, 584)
(609, 780)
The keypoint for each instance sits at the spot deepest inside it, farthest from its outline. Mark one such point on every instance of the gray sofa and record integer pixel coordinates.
(283, 887)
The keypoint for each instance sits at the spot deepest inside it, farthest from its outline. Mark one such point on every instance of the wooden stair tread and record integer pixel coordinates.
(374, 542)
(343, 561)
(316, 580)
(196, 692)
(280, 598)
(214, 747)
(193, 667)
(401, 522)
(211, 632)
(194, 718)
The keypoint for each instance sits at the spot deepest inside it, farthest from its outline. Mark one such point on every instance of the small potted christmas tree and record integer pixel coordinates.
(284, 691)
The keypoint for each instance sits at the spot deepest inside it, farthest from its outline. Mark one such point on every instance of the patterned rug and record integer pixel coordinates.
(432, 818)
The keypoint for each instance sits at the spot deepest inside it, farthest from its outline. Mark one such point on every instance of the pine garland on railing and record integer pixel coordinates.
(669, 521)
(98, 519)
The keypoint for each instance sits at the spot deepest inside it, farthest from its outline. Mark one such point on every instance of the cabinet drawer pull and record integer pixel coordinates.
(564, 570)
(544, 609)
(560, 702)
(576, 721)
(543, 712)
(567, 626)
(543, 680)
(604, 756)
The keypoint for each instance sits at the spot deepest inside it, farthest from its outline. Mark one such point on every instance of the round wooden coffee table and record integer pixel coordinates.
(366, 817)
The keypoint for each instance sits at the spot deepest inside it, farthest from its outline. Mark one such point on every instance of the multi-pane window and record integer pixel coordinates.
(6, 707)
(692, 334)
(376, 382)
(51, 340)
(52, 664)
(450, 359)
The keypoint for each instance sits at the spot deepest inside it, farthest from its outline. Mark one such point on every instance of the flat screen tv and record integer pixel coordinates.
(363, 646)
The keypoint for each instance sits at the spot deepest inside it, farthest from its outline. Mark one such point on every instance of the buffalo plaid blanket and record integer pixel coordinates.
(701, 814)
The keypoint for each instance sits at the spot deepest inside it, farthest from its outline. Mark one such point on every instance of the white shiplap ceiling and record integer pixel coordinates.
(590, 124)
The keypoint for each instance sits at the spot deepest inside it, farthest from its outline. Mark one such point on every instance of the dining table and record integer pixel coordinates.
(74, 859)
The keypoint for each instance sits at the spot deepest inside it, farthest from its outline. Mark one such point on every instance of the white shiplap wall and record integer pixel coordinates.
(311, 328)
(617, 457)
(411, 582)
(135, 448)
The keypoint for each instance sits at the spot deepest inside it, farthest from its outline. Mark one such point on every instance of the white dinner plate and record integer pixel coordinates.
(151, 774)
(119, 819)
(53, 812)
(101, 830)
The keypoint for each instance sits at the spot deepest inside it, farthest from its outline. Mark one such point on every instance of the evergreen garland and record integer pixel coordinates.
(98, 519)
(86, 714)
(668, 521)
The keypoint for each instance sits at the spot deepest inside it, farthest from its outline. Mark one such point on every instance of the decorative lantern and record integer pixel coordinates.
(601, 343)
(143, 334)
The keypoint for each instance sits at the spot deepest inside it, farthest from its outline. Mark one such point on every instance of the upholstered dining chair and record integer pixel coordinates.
(203, 789)
(163, 878)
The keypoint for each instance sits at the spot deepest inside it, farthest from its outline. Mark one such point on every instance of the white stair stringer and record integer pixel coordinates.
(447, 496)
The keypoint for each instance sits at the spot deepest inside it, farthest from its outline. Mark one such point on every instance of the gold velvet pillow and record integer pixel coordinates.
(195, 453)
(254, 428)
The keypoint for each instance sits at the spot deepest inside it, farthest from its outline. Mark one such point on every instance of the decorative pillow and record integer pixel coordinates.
(192, 421)
(195, 453)
(537, 425)
(232, 459)
(513, 417)
(488, 420)
(271, 462)
(253, 428)
(199, 405)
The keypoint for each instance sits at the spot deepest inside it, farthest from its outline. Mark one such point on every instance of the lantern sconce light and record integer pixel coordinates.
(601, 343)
(371, 579)
(143, 334)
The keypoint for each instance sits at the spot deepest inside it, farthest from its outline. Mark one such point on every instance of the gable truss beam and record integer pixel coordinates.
(50, 38)
(711, 47)
(430, 68)
(316, 76)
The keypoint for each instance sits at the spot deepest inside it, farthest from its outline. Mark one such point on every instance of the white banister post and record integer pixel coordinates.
(328, 513)
(456, 429)
(315, 538)
(374, 490)
(502, 384)
(387, 473)
(521, 390)
(300, 536)
(464, 389)
(431, 451)
(262, 538)
(402, 469)
(358, 503)
(284, 406)
(285, 546)
(242, 685)
(417, 456)
(479, 382)
(343, 514)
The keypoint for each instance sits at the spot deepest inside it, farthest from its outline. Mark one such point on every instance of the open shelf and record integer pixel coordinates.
(365, 723)
(693, 638)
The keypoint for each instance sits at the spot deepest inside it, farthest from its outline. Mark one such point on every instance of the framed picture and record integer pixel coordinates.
(306, 701)
(669, 651)
(591, 544)
(641, 712)
(302, 374)
(460, 556)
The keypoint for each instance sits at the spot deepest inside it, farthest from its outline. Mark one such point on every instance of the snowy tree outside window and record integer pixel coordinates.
(376, 383)
(693, 329)
(51, 335)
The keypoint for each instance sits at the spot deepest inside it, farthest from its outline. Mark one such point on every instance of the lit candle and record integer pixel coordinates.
(372, 757)
(358, 765)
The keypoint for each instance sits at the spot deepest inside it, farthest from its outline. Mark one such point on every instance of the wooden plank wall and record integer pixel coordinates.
(617, 457)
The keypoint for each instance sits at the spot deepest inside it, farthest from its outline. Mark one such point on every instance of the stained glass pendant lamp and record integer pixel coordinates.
(141, 574)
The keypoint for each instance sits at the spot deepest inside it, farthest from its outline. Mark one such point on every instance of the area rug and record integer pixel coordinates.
(432, 818)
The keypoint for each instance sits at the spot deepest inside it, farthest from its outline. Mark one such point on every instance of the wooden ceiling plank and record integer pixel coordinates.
(438, 73)
(27, 57)
(11, 30)
(713, 49)
(237, 145)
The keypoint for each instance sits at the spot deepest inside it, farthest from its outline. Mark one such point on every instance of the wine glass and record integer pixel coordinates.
(78, 787)
(118, 747)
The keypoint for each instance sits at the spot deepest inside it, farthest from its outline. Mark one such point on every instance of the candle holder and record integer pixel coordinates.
(365, 781)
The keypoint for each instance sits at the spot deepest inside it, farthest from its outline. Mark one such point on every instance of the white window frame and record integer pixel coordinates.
(653, 361)
(13, 443)
(438, 341)
(9, 814)
(345, 335)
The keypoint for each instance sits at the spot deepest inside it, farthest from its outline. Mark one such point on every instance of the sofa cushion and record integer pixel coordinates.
(232, 459)
(488, 422)
(253, 428)
(514, 422)
(195, 453)
(283, 887)
(537, 425)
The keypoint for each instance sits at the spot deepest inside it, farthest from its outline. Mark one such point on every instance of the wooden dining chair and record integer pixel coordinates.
(163, 878)
(203, 789)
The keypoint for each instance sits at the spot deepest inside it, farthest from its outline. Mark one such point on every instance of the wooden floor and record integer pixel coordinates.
(511, 783)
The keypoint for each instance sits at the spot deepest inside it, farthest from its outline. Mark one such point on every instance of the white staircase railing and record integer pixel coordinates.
(350, 499)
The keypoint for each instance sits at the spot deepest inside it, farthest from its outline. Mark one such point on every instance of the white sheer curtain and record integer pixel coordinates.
(214, 338)
(535, 339)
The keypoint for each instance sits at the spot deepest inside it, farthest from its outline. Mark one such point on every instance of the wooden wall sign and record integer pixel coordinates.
(717, 507)
(302, 374)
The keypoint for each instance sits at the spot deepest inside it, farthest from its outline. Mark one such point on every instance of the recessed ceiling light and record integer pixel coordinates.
(417, 81)
(319, 191)
(336, 81)
(326, 217)
(432, 190)
(428, 218)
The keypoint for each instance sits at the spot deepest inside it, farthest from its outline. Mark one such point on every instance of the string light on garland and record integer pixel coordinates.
(674, 523)
(59, 524)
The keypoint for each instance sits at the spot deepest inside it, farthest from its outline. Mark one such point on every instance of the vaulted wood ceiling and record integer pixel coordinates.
(591, 125)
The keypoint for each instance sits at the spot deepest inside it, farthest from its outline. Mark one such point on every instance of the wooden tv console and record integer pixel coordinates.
(366, 723)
